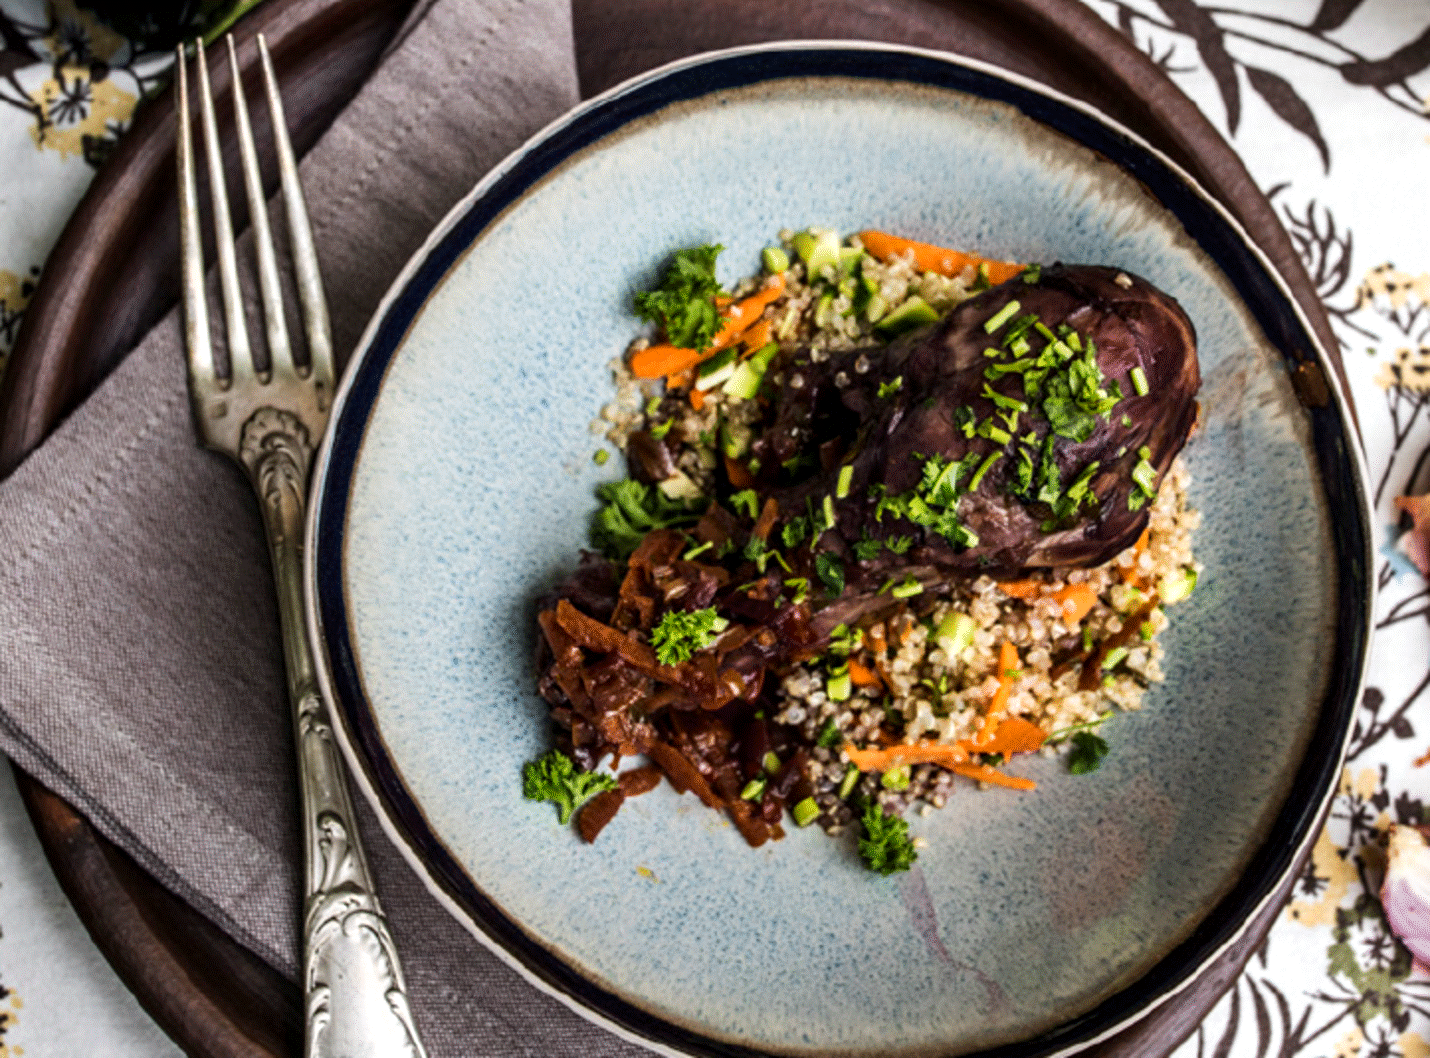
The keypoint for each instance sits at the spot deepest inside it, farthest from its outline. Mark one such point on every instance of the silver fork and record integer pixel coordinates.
(355, 999)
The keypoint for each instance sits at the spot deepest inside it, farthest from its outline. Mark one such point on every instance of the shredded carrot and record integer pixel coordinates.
(1076, 600)
(864, 676)
(656, 360)
(1130, 573)
(938, 259)
(739, 476)
(983, 773)
(680, 379)
(886, 759)
(758, 336)
(1007, 664)
(697, 398)
(1020, 589)
(1013, 735)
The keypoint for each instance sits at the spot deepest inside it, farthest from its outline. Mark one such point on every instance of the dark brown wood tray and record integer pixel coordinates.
(115, 272)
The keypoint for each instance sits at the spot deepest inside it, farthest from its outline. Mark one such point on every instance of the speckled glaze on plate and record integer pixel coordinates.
(456, 483)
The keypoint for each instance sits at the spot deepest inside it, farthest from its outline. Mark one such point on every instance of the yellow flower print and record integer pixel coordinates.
(74, 107)
(1410, 371)
(78, 34)
(1328, 877)
(1349, 1045)
(1412, 1046)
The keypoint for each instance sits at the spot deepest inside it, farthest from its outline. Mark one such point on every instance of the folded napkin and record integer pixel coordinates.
(142, 675)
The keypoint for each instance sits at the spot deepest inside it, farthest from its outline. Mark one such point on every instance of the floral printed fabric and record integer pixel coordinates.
(1326, 100)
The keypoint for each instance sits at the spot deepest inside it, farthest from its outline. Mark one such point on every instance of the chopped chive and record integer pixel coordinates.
(601, 457)
(1046, 331)
(828, 511)
(907, 588)
(659, 430)
(775, 259)
(1114, 658)
(1074, 339)
(983, 469)
(652, 405)
(839, 686)
(994, 433)
(1002, 316)
(1126, 420)
(847, 784)
(1139, 381)
(753, 791)
(846, 477)
(770, 762)
(805, 812)
(888, 389)
(1145, 475)
(699, 549)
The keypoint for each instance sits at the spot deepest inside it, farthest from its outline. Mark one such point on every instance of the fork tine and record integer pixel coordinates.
(305, 257)
(240, 355)
(196, 314)
(279, 351)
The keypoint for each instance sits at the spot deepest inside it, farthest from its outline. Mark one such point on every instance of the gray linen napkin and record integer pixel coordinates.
(141, 677)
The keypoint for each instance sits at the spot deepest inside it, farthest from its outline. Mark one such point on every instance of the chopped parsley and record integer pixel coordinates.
(867, 549)
(830, 571)
(745, 500)
(888, 389)
(899, 544)
(794, 531)
(885, 846)
(555, 778)
(684, 303)
(681, 633)
(1086, 753)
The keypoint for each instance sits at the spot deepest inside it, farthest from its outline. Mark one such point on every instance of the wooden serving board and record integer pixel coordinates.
(115, 272)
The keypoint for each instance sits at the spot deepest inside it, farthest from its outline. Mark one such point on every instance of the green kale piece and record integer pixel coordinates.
(1086, 753)
(681, 633)
(555, 778)
(684, 303)
(631, 510)
(885, 846)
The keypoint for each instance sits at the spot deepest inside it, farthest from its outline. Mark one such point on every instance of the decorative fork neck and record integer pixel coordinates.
(354, 993)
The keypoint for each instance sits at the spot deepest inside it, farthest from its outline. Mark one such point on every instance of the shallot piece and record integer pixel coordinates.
(1405, 894)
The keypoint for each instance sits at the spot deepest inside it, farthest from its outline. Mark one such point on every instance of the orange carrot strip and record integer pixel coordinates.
(1007, 662)
(928, 258)
(739, 476)
(680, 379)
(863, 676)
(768, 515)
(1020, 589)
(983, 773)
(656, 360)
(890, 757)
(758, 336)
(697, 398)
(1130, 573)
(1076, 600)
(1013, 735)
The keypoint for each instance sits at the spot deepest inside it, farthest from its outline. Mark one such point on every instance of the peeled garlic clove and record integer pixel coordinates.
(1405, 894)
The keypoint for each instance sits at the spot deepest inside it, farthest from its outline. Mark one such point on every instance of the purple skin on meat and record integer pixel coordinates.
(834, 409)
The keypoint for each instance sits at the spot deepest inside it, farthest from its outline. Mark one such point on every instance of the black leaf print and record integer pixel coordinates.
(1263, 1019)
(1190, 19)
(1400, 64)
(1333, 15)
(1402, 728)
(1289, 107)
(1233, 1022)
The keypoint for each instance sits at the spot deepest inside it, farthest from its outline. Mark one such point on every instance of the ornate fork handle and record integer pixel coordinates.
(354, 993)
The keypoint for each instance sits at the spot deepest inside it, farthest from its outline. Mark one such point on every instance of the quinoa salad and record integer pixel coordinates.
(894, 516)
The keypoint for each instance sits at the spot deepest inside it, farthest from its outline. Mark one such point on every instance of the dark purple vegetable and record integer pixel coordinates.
(1048, 459)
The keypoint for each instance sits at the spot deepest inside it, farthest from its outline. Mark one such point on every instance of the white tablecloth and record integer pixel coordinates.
(1326, 100)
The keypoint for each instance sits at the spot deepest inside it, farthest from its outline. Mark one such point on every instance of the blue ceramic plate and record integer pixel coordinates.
(457, 482)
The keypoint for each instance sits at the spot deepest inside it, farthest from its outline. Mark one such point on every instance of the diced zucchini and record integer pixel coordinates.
(850, 780)
(912, 314)
(775, 259)
(734, 439)
(839, 686)
(805, 812)
(896, 778)
(753, 791)
(680, 487)
(817, 247)
(1176, 586)
(715, 370)
(955, 633)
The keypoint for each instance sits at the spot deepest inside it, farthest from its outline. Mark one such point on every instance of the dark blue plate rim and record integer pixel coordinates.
(1333, 441)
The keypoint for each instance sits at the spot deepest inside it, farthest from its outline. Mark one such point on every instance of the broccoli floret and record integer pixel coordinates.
(885, 846)
(555, 778)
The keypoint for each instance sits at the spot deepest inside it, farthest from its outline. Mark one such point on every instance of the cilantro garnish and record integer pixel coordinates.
(885, 846)
(555, 777)
(684, 303)
(795, 530)
(899, 544)
(829, 735)
(888, 389)
(1086, 753)
(682, 632)
(745, 500)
